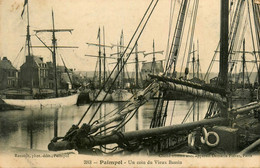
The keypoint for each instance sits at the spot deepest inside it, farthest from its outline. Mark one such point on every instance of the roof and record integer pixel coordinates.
(6, 64)
(38, 60)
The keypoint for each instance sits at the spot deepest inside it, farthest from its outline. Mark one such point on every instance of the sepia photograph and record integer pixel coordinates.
(130, 83)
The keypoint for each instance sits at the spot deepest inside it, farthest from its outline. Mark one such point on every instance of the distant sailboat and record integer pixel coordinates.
(120, 93)
(48, 102)
(95, 94)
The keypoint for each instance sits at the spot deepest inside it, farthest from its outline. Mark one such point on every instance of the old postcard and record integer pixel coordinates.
(129, 83)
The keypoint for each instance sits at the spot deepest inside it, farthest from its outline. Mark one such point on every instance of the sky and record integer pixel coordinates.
(86, 16)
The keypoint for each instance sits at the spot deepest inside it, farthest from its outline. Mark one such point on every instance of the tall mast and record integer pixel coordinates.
(153, 63)
(104, 42)
(193, 61)
(223, 64)
(54, 46)
(243, 66)
(122, 44)
(198, 60)
(28, 43)
(99, 59)
(118, 66)
(54, 55)
(136, 65)
(28, 36)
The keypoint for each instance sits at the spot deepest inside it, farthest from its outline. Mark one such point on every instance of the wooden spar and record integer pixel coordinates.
(142, 98)
(99, 54)
(190, 84)
(249, 148)
(121, 50)
(155, 52)
(223, 65)
(243, 65)
(176, 42)
(104, 54)
(136, 66)
(54, 47)
(127, 136)
(153, 63)
(190, 88)
(246, 108)
(94, 44)
(54, 56)
(196, 92)
(28, 41)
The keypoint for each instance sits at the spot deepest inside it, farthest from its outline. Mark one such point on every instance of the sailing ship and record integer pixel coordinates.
(239, 73)
(28, 101)
(120, 94)
(96, 94)
(224, 129)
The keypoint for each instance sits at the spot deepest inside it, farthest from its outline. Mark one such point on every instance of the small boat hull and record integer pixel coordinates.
(93, 93)
(121, 95)
(39, 103)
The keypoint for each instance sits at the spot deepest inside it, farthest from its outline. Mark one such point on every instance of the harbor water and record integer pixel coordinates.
(34, 128)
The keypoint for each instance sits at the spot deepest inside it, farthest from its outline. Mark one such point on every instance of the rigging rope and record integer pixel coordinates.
(125, 59)
(172, 7)
(190, 32)
(174, 35)
(174, 52)
(117, 62)
(230, 34)
(252, 36)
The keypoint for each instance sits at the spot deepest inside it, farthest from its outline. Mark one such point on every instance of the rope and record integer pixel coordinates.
(181, 37)
(105, 83)
(191, 32)
(126, 59)
(251, 30)
(230, 34)
(168, 60)
(124, 123)
(165, 113)
(170, 27)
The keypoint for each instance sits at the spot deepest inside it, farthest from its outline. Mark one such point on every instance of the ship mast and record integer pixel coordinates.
(99, 59)
(136, 66)
(153, 63)
(54, 56)
(153, 66)
(28, 36)
(243, 65)
(28, 40)
(104, 42)
(123, 60)
(54, 47)
(223, 64)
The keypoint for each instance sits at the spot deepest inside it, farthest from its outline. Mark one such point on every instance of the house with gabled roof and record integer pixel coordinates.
(34, 73)
(8, 74)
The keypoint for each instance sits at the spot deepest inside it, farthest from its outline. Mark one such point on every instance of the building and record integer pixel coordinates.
(151, 68)
(8, 74)
(34, 73)
(63, 80)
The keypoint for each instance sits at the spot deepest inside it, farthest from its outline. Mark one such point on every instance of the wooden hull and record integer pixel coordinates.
(40, 103)
(93, 93)
(121, 95)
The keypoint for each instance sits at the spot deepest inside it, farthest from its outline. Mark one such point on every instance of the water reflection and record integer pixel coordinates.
(34, 128)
